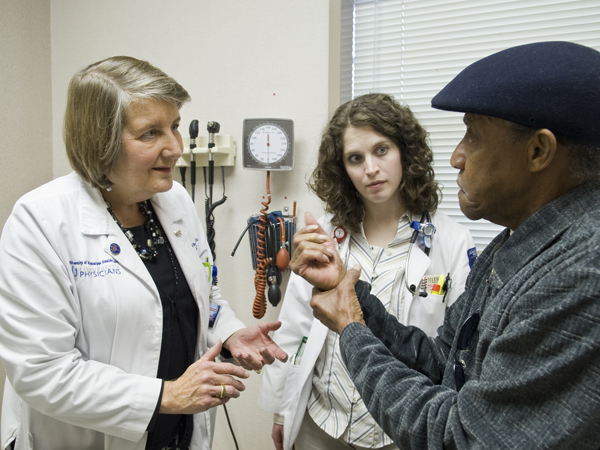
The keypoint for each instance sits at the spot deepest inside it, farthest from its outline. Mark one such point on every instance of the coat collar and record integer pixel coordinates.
(96, 220)
(94, 217)
(537, 233)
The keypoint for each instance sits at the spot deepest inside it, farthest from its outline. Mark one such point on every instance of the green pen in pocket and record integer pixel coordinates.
(297, 357)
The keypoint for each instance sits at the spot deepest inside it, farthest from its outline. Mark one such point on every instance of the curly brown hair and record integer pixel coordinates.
(418, 191)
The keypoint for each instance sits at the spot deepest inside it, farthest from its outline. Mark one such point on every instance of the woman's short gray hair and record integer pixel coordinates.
(97, 103)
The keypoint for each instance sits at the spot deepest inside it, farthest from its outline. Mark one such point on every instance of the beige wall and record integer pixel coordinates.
(237, 58)
(25, 113)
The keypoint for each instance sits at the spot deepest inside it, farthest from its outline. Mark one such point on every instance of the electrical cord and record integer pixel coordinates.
(241, 237)
(209, 209)
(193, 136)
(210, 218)
(182, 173)
(230, 428)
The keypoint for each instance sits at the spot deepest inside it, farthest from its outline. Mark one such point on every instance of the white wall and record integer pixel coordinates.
(238, 59)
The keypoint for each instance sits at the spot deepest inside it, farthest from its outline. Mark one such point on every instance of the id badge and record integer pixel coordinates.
(213, 314)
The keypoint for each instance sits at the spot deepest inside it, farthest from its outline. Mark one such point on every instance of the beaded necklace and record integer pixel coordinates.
(150, 252)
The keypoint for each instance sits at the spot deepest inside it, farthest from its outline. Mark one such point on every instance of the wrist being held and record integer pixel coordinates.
(339, 307)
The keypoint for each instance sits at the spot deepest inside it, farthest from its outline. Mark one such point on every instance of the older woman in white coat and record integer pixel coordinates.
(105, 285)
(376, 179)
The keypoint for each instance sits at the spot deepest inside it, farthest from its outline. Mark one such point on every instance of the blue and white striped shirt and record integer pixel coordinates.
(334, 403)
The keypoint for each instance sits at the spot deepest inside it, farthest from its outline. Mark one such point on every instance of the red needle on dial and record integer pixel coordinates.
(268, 145)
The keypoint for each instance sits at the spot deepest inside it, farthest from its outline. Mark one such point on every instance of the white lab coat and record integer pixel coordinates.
(81, 326)
(285, 388)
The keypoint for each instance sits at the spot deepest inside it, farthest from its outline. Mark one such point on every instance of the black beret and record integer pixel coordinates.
(553, 85)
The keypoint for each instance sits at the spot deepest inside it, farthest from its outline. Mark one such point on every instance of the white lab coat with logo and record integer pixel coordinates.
(81, 321)
(285, 388)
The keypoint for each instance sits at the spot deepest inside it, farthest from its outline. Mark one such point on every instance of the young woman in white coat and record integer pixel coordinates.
(375, 176)
(105, 285)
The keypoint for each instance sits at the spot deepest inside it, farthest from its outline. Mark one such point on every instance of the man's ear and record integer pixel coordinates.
(541, 150)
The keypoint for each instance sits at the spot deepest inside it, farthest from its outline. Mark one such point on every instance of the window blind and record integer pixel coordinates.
(412, 48)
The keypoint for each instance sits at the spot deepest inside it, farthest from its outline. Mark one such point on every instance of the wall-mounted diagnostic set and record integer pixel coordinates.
(209, 151)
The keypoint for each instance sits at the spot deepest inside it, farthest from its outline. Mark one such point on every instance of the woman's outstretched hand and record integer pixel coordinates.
(252, 347)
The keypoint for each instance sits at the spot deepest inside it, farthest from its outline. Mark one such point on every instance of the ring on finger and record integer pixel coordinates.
(222, 394)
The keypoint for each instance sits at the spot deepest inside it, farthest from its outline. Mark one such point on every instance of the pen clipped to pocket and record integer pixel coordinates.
(437, 285)
(297, 357)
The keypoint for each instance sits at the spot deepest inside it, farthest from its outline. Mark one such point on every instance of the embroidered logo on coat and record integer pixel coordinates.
(472, 254)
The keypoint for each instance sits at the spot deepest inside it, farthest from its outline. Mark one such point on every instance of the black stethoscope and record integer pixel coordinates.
(423, 228)
(426, 229)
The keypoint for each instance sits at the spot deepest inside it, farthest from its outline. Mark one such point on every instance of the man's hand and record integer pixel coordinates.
(315, 258)
(339, 307)
(252, 347)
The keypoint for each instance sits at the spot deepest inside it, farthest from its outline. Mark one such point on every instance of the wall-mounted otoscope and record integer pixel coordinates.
(212, 128)
(193, 136)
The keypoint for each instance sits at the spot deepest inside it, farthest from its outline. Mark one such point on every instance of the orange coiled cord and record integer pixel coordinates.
(259, 308)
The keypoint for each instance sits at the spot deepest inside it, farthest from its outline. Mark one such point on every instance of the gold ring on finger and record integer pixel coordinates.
(222, 395)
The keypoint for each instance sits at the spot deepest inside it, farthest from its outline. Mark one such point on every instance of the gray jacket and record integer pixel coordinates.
(532, 368)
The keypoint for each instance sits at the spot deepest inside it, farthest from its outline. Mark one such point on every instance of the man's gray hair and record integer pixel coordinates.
(584, 162)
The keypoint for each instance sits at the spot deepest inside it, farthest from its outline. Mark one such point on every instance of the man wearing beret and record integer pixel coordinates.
(516, 364)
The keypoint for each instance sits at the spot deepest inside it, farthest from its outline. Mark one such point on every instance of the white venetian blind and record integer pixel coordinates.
(412, 48)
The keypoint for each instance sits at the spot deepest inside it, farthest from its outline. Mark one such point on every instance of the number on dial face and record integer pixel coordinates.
(268, 144)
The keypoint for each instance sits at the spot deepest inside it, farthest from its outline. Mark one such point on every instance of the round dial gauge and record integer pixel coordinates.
(268, 144)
